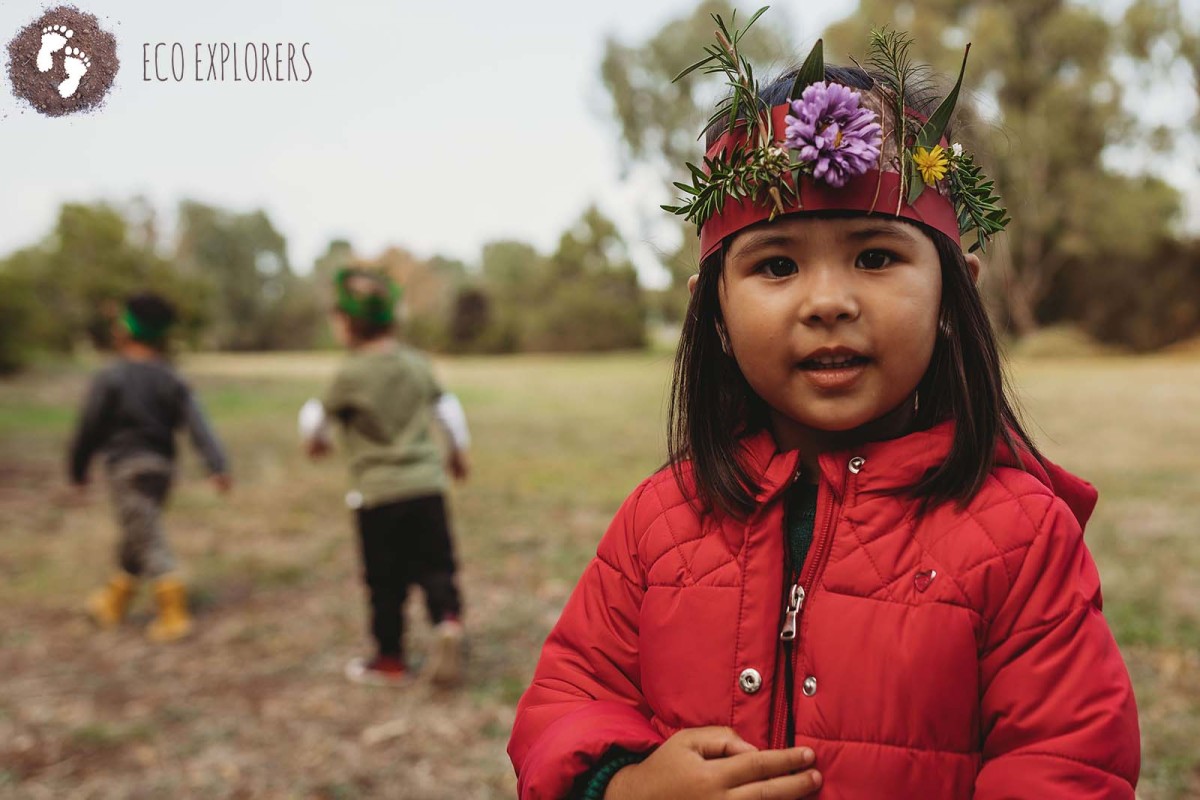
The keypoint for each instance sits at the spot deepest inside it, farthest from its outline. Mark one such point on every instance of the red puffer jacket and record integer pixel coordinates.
(958, 655)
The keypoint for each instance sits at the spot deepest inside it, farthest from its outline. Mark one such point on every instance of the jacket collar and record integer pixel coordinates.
(893, 464)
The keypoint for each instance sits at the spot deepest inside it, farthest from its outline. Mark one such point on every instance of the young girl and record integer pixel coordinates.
(386, 398)
(858, 578)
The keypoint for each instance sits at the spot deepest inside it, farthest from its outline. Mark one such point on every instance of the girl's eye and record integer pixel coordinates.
(875, 259)
(778, 267)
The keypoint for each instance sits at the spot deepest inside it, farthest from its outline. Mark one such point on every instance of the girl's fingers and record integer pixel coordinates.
(715, 742)
(788, 787)
(763, 765)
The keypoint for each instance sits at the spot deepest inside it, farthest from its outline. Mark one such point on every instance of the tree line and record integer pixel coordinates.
(229, 275)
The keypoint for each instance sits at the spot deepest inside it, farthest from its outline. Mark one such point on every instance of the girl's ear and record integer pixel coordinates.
(692, 283)
(974, 265)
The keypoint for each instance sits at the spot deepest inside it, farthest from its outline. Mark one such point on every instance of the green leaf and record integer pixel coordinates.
(693, 68)
(811, 71)
(916, 184)
(753, 19)
(932, 131)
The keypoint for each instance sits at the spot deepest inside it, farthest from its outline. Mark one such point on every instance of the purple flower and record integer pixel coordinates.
(839, 139)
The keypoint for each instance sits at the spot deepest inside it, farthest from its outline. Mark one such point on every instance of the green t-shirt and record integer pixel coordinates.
(384, 400)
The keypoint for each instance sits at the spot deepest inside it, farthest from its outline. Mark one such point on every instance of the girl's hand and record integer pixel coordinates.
(711, 763)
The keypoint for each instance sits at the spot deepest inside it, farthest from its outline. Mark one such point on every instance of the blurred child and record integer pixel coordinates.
(133, 408)
(385, 399)
(857, 578)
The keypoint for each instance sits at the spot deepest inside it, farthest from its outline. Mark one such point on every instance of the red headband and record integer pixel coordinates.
(871, 192)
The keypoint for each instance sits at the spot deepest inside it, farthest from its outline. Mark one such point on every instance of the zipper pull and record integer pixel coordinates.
(795, 601)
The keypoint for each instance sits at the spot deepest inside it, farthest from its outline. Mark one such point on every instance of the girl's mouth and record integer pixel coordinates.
(833, 373)
(832, 363)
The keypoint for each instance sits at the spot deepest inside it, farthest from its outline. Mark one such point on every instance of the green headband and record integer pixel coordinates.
(374, 309)
(143, 331)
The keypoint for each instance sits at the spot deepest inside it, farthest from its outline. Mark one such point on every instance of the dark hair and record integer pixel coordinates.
(365, 330)
(964, 381)
(154, 314)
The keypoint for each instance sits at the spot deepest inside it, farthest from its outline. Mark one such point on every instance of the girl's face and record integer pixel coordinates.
(832, 321)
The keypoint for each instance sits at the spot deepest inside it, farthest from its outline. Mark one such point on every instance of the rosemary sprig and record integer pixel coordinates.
(891, 62)
(741, 173)
(751, 168)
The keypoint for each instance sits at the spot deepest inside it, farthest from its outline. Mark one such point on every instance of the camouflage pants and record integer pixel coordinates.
(139, 486)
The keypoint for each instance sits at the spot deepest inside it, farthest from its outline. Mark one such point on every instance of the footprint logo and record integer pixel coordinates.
(64, 62)
(76, 64)
(53, 39)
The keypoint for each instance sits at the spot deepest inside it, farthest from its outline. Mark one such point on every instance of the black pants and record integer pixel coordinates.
(404, 543)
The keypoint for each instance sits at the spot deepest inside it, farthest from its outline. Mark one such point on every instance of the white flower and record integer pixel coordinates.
(956, 148)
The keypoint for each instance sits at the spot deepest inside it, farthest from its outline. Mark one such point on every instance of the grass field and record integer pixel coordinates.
(255, 704)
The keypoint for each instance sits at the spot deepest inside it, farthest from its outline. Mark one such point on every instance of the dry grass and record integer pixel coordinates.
(255, 706)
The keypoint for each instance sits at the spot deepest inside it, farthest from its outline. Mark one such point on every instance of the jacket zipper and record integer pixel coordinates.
(783, 732)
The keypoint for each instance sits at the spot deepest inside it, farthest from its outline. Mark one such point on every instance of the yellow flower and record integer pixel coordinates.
(932, 163)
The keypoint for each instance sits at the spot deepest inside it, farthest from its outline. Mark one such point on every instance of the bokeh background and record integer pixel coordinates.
(506, 163)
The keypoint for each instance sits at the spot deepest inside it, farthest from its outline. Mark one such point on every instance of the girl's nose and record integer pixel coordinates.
(828, 298)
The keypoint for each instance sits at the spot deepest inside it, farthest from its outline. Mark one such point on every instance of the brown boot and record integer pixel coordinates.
(107, 606)
(173, 620)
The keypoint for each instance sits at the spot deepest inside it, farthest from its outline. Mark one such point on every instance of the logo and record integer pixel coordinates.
(63, 62)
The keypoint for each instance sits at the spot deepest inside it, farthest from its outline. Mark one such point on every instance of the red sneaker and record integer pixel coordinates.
(379, 671)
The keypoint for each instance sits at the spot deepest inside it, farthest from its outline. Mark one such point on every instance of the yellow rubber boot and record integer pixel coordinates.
(173, 620)
(107, 606)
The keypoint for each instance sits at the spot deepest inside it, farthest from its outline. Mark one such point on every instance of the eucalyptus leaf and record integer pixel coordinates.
(931, 133)
(811, 71)
(916, 184)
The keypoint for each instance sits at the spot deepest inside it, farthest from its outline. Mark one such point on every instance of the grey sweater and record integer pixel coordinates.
(135, 407)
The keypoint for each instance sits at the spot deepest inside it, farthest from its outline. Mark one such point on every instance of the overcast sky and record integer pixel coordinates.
(437, 126)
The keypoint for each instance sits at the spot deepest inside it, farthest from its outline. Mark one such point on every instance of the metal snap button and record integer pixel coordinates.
(856, 464)
(750, 681)
(810, 686)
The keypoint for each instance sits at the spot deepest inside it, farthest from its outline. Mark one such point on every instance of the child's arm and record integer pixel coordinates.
(205, 442)
(585, 698)
(450, 415)
(1058, 711)
(313, 424)
(92, 429)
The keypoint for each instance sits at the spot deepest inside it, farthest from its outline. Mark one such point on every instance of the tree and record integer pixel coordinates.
(591, 299)
(659, 121)
(514, 272)
(73, 281)
(16, 317)
(258, 303)
(1048, 67)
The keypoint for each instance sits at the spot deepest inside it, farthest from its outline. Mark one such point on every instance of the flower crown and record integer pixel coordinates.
(825, 149)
